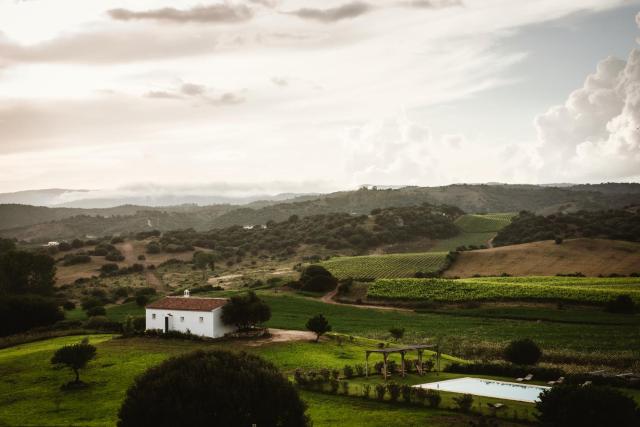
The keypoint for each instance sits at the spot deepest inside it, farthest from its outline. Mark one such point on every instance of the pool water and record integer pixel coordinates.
(489, 388)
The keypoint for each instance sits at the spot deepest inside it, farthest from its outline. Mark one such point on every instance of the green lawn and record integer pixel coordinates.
(30, 386)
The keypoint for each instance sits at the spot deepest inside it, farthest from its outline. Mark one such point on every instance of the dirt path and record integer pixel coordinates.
(328, 299)
(127, 251)
(284, 335)
(213, 280)
(153, 280)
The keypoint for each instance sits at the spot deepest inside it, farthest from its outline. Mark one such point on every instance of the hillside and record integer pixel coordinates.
(590, 257)
(479, 198)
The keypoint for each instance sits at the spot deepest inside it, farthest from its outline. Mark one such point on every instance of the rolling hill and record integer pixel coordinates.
(591, 257)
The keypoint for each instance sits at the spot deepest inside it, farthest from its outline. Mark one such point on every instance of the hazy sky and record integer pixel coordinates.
(317, 95)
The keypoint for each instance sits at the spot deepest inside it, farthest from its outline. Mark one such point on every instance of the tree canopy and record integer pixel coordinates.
(75, 357)
(26, 273)
(213, 388)
(319, 325)
(245, 311)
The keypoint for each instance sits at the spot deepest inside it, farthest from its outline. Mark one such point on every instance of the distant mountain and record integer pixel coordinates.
(46, 197)
(26, 222)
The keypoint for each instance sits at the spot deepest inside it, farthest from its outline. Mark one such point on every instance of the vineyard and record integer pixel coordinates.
(488, 223)
(385, 266)
(586, 290)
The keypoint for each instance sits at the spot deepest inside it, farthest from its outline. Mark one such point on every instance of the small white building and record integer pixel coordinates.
(200, 316)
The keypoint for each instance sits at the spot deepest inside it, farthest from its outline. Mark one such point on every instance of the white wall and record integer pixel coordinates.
(183, 320)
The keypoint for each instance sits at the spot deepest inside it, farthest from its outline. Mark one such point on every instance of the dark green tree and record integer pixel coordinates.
(319, 325)
(523, 352)
(245, 311)
(75, 357)
(26, 273)
(213, 388)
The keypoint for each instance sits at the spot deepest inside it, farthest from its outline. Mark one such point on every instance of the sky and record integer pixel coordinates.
(313, 96)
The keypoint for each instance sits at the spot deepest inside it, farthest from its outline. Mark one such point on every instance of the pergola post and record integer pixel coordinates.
(402, 363)
(419, 364)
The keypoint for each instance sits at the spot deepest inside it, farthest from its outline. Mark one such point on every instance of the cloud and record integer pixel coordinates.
(193, 89)
(431, 4)
(595, 134)
(217, 13)
(199, 92)
(279, 81)
(346, 11)
(266, 3)
(160, 94)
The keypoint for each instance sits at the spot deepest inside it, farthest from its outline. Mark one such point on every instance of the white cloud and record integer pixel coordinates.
(595, 134)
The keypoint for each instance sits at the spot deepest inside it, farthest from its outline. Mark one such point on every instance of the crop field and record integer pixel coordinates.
(585, 290)
(488, 223)
(385, 266)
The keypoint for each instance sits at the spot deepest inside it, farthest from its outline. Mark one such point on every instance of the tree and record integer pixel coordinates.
(142, 300)
(215, 388)
(245, 311)
(591, 406)
(396, 332)
(97, 310)
(204, 260)
(19, 313)
(316, 278)
(26, 273)
(75, 357)
(523, 352)
(6, 245)
(319, 325)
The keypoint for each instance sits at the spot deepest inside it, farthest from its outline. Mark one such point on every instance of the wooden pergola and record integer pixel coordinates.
(420, 348)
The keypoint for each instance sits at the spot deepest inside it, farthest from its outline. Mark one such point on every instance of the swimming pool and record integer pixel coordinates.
(489, 388)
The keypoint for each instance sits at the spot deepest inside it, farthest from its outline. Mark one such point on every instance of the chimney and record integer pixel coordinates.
(187, 294)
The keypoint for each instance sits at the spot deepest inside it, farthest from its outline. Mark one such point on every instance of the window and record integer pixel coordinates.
(182, 318)
(201, 319)
(153, 316)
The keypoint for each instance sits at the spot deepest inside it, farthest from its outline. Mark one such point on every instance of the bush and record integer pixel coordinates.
(153, 248)
(71, 259)
(366, 390)
(345, 387)
(23, 312)
(622, 304)
(381, 390)
(360, 370)
(316, 278)
(146, 291)
(141, 257)
(68, 305)
(101, 323)
(333, 385)
(396, 332)
(107, 269)
(592, 406)
(433, 398)
(406, 393)
(87, 303)
(464, 402)
(218, 387)
(505, 370)
(394, 391)
(97, 310)
(348, 371)
(523, 352)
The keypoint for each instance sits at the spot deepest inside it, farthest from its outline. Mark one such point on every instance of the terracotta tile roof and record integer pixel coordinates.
(182, 303)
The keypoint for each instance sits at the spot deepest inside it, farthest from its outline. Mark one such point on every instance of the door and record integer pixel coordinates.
(166, 324)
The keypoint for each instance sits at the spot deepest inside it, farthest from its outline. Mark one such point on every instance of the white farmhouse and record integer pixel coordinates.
(200, 316)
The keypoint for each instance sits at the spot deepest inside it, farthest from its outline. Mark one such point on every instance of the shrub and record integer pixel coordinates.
(120, 292)
(334, 384)
(75, 357)
(505, 370)
(23, 312)
(141, 257)
(153, 248)
(335, 374)
(71, 259)
(406, 393)
(558, 240)
(68, 305)
(522, 352)
(107, 269)
(87, 303)
(464, 402)
(101, 323)
(97, 310)
(345, 387)
(433, 398)
(394, 391)
(381, 390)
(217, 387)
(142, 300)
(360, 370)
(325, 374)
(573, 406)
(396, 332)
(319, 325)
(622, 304)
(348, 371)
(316, 278)
(366, 391)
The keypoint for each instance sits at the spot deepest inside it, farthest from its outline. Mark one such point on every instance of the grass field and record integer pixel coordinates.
(585, 290)
(592, 257)
(30, 393)
(385, 266)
